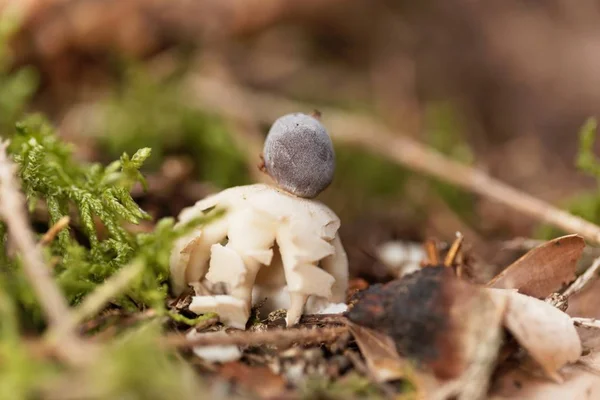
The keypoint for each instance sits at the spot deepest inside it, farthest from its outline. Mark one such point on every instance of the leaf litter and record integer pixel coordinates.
(438, 336)
(432, 333)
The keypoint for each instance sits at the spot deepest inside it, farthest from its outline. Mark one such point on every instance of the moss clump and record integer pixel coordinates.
(98, 197)
(148, 111)
(20, 374)
(83, 256)
(134, 368)
(49, 172)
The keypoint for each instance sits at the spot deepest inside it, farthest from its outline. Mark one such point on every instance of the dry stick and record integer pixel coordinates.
(280, 337)
(207, 323)
(433, 256)
(369, 134)
(586, 322)
(309, 319)
(99, 320)
(95, 301)
(454, 249)
(362, 368)
(416, 156)
(526, 244)
(54, 305)
(126, 319)
(522, 244)
(54, 230)
(583, 279)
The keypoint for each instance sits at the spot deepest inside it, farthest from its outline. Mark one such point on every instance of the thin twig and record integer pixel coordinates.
(278, 337)
(433, 254)
(522, 244)
(215, 95)
(362, 368)
(558, 300)
(54, 230)
(125, 319)
(97, 300)
(583, 279)
(454, 249)
(100, 319)
(207, 323)
(358, 363)
(314, 319)
(54, 305)
(586, 322)
(368, 133)
(526, 244)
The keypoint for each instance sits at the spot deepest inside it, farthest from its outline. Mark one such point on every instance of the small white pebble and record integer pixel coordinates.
(295, 373)
(217, 354)
(403, 257)
(333, 308)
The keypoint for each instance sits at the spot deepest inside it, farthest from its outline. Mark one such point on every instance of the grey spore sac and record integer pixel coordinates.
(299, 155)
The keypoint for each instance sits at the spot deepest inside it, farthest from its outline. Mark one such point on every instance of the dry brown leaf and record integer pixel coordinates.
(450, 329)
(259, 380)
(586, 303)
(379, 352)
(481, 343)
(545, 332)
(590, 339)
(591, 361)
(482, 346)
(579, 383)
(543, 270)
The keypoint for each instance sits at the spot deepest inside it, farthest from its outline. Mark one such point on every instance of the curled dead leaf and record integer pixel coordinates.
(517, 383)
(586, 303)
(449, 328)
(543, 270)
(545, 332)
(379, 352)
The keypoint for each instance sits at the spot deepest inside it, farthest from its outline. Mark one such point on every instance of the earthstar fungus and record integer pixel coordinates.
(271, 243)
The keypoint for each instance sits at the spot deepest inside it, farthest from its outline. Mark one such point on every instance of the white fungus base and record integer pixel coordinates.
(270, 244)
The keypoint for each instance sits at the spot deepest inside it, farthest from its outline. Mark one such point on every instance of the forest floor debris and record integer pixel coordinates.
(435, 332)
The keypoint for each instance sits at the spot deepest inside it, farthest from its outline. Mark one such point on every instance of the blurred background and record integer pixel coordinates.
(504, 86)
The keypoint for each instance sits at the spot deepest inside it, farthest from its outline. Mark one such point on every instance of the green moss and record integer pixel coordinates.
(99, 196)
(367, 181)
(587, 162)
(362, 172)
(443, 130)
(585, 205)
(17, 86)
(20, 374)
(190, 321)
(351, 386)
(363, 181)
(50, 173)
(132, 366)
(135, 368)
(146, 111)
